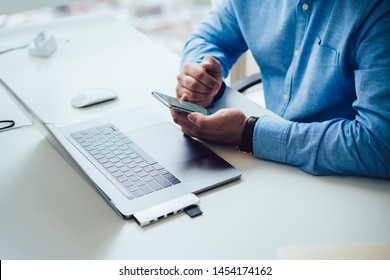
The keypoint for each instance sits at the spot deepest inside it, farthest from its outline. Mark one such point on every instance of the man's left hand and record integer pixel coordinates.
(225, 126)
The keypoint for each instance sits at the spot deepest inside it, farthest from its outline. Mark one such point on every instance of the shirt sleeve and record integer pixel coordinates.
(217, 35)
(339, 146)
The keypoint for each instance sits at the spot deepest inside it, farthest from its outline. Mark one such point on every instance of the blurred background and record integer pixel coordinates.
(170, 22)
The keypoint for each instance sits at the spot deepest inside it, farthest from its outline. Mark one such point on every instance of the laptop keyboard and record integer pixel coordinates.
(128, 165)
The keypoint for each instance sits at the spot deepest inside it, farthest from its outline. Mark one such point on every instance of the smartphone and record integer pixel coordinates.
(179, 105)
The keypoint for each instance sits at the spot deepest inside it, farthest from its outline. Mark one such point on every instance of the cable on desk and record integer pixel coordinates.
(6, 124)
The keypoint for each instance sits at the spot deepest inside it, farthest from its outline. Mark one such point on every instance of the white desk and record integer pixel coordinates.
(47, 210)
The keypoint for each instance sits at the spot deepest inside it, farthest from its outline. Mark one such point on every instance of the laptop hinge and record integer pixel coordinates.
(164, 210)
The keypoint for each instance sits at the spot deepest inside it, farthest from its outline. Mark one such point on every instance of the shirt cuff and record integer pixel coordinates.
(270, 139)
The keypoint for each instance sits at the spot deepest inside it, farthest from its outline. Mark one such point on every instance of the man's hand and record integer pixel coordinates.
(199, 83)
(225, 126)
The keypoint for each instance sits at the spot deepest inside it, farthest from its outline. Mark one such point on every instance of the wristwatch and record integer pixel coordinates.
(246, 144)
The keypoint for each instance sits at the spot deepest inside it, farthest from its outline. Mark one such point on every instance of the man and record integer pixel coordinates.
(326, 71)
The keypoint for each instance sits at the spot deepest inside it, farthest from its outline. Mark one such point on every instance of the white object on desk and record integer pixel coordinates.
(43, 45)
(93, 96)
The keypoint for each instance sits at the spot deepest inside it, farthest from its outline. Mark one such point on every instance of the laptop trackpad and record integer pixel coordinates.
(167, 144)
(194, 164)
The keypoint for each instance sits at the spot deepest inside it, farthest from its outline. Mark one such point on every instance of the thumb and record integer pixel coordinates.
(210, 63)
(196, 118)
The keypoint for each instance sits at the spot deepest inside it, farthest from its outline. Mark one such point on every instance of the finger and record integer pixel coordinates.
(200, 74)
(202, 99)
(211, 64)
(188, 95)
(195, 97)
(185, 82)
(194, 85)
(197, 118)
(179, 117)
(187, 132)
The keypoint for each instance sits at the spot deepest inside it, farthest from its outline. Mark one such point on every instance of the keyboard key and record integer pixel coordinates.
(137, 193)
(128, 151)
(94, 142)
(112, 169)
(119, 164)
(126, 160)
(105, 151)
(138, 183)
(98, 156)
(124, 169)
(132, 164)
(133, 178)
(154, 185)
(89, 148)
(108, 144)
(76, 135)
(117, 152)
(121, 178)
(103, 160)
(162, 181)
(122, 147)
(107, 164)
(122, 156)
(110, 155)
(100, 147)
(114, 159)
(148, 168)
(128, 173)
(132, 188)
(143, 164)
(103, 129)
(122, 136)
(94, 152)
(129, 196)
(153, 173)
(137, 169)
(133, 155)
(142, 174)
(138, 160)
(94, 131)
(163, 171)
(84, 142)
(157, 166)
(168, 176)
(147, 178)
(145, 189)
(126, 140)
(112, 147)
(174, 181)
(116, 174)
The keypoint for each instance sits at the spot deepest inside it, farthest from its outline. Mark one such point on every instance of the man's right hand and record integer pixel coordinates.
(199, 83)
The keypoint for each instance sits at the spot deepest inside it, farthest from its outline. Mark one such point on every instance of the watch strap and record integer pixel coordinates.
(246, 144)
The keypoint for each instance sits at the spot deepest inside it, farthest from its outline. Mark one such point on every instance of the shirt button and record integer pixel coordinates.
(305, 6)
(285, 96)
(296, 52)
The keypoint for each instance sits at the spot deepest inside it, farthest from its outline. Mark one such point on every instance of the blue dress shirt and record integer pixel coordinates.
(326, 71)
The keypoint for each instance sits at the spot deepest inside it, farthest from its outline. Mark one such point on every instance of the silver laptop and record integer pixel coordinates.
(142, 165)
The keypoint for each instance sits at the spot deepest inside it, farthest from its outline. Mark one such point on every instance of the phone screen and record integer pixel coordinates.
(179, 105)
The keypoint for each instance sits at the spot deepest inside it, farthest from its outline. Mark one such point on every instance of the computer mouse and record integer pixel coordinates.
(93, 96)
